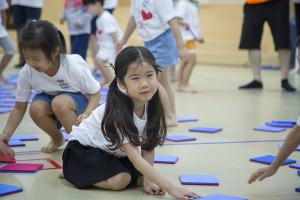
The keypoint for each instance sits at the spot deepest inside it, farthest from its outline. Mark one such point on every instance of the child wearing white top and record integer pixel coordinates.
(5, 41)
(108, 33)
(104, 150)
(188, 15)
(79, 28)
(157, 26)
(67, 91)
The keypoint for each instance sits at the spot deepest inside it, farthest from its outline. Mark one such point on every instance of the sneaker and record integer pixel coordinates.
(252, 85)
(285, 85)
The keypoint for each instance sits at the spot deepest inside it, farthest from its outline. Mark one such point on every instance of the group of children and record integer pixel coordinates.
(111, 146)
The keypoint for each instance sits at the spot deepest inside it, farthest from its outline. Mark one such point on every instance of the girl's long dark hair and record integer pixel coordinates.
(42, 35)
(117, 122)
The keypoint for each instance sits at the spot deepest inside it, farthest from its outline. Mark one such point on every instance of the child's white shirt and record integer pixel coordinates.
(298, 121)
(73, 75)
(28, 3)
(106, 24)
(3, 7)
(110, 4)
(189, 13)
(151, 17)
(89, 132)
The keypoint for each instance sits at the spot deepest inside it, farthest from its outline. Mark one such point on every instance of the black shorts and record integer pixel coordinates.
(276, 14)
(83, 166)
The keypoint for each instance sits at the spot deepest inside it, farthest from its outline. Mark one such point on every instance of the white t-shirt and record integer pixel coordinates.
(73, 75)
(3, 6)
(151, 17)
(89, 132)
(28, 3)
(110, 4)
(298, 122)
(106, 24)
(189, 13)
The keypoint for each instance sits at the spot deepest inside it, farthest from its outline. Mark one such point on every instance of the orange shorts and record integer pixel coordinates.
(190, 45)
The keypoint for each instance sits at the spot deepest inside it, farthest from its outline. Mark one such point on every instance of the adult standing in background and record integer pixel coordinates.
(276, 14)
(23, 11)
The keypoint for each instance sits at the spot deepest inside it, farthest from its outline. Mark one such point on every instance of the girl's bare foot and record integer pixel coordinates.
(186, 89)
(53, 145)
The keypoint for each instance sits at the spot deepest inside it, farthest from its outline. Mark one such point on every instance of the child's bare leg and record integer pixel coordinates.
(105, 71)
(117, 182)
(165, 81)
(61, 174)
(42, 115)
(64, 109)
(186, 75)
(173, 74)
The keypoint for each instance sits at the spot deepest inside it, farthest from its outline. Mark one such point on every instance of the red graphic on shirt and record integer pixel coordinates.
(146, 16)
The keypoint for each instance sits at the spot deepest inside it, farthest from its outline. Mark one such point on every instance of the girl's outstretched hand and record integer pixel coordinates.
(262, 173)
(152, 188)
(6, 151)
(181, 193)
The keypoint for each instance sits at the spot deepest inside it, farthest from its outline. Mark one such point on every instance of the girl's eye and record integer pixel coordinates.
(150, 75)
(134, 78)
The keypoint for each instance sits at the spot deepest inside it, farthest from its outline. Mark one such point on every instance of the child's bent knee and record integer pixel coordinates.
(120, 181)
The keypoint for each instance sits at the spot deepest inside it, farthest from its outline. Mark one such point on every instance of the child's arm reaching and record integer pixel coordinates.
(92, 104)
(6, 151)
(14, 120)
(149, 186)
(182, 52)
(290, 143)
(148, 171)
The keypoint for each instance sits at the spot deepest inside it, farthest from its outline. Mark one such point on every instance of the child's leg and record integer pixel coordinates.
(105, 71)
(284, 61)
(117, 182)
(9, 51)
(43, 116)
(186, 71)
(173, 74)
(64, 109)
(165, 81)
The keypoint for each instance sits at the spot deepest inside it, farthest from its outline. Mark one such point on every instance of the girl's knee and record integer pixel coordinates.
(61, 103)
(37, 110)
(120, 181)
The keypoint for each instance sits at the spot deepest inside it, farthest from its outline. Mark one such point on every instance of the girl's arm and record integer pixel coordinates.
(149, 187)
(92, 104)
(182, 52)
(131, 25)
(149, 172)
(14, 120)
(289, 145)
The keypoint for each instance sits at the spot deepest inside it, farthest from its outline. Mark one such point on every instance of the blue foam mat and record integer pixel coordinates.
(165, 159)
(205, 129)
(9, 189)
(221, 197)
(188, 179)
(268, 159)
(179, 138)
(269, 129)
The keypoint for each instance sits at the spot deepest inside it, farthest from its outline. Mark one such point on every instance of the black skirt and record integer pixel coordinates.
(83, 166)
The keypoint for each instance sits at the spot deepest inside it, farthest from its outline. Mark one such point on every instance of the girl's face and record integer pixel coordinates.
(140, 82)
(94, 9)
(38, 60)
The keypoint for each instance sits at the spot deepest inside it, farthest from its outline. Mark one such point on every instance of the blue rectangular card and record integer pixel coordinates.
(187, 179)
(295, 166)
(7, 101)
(9, 189)
(205, 129)
(16, 143)
(24, 137)
(165, 159)
(297, 148)
(269, 129)
(268, 159)
(297, 189)
(220, 197)
(7, 88)
(187, 119)
(180, 138)
(282, 125)
(7, 105)
(285, 121)
(298, 172)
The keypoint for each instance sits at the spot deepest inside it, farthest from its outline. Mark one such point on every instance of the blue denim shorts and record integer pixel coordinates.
(79, 99)
(164, 49)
